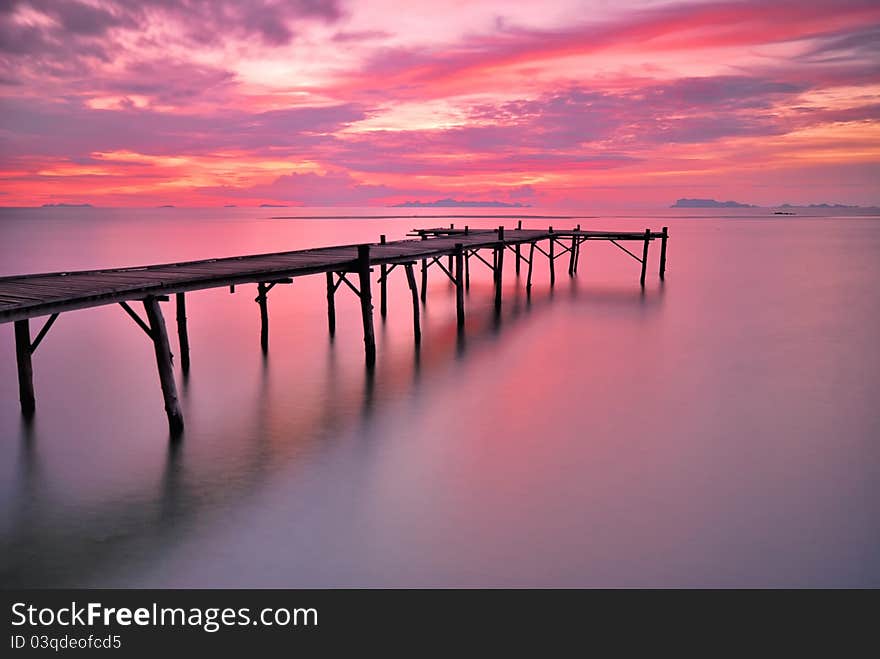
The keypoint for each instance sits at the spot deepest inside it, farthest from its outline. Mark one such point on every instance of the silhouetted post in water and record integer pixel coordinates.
(467, 269)
(499, 267)
(25, 368)
(383, 287)
(159, 334)
(459, 284)
(182, 336)
(552, 259)
(449, 260)
(262, 300)
(331, 304)
(516, 249)
(363, 268)
(411, 280)
(665, 235)
(424, 280)
(531, 260)
(577, 251)
(645, 256)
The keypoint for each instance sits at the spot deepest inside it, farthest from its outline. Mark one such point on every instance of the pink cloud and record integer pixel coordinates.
(302, 101)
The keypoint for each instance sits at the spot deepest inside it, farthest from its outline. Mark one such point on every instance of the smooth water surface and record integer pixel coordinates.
(721, 429)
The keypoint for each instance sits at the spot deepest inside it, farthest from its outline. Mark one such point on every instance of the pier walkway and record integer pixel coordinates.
(450, 250)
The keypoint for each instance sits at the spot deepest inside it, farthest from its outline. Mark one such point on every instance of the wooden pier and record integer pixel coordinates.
(50, 294)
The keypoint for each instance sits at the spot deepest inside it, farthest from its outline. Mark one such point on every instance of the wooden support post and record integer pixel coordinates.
(363, 269)
(645, 257)
(424, 280)
(665, 235)
(552, 258)
(411, 280)
(499, 268)
(571, 253)
(331, 304)
(531, 260)
(467, 270)
(25, 368)
(163, 362)
(519, 225)
(383, 286)
(182, 335)
(459, 284)
(262, 300)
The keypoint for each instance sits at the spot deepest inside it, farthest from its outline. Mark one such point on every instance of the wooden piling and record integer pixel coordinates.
(499, 267)
(159, 335)
(663, 240)
(424, 280)
(262, 300)
(552, 258)
(645, 257)
(531, 260)
(459, 284)
(467, 270)
(363, 270)
(182, 334)
(411, 280)
(516, 248)
(571, 255)
(383, 286)
(449, 261)
(25, 367)
(331, 304)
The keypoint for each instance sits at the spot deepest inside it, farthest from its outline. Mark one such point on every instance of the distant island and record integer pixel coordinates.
(63, 205)
(166, 206)
(820, 206)
(455, 203)
(709, 203)
(230, 206)
(273, 206)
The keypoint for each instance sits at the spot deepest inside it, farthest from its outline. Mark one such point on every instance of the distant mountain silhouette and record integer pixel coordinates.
(709, 203)
(166, 206)
(821, 206)
(454, 203)
(273, 206)
(63, 205)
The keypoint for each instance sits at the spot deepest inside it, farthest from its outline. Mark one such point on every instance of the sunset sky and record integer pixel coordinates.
(371, 102)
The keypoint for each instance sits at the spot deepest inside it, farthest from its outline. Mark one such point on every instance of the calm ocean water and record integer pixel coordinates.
(721, 429)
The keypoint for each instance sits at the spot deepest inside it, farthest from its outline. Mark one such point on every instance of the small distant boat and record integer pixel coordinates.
(783, 213)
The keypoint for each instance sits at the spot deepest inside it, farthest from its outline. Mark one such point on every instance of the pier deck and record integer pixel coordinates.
(23, 297)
